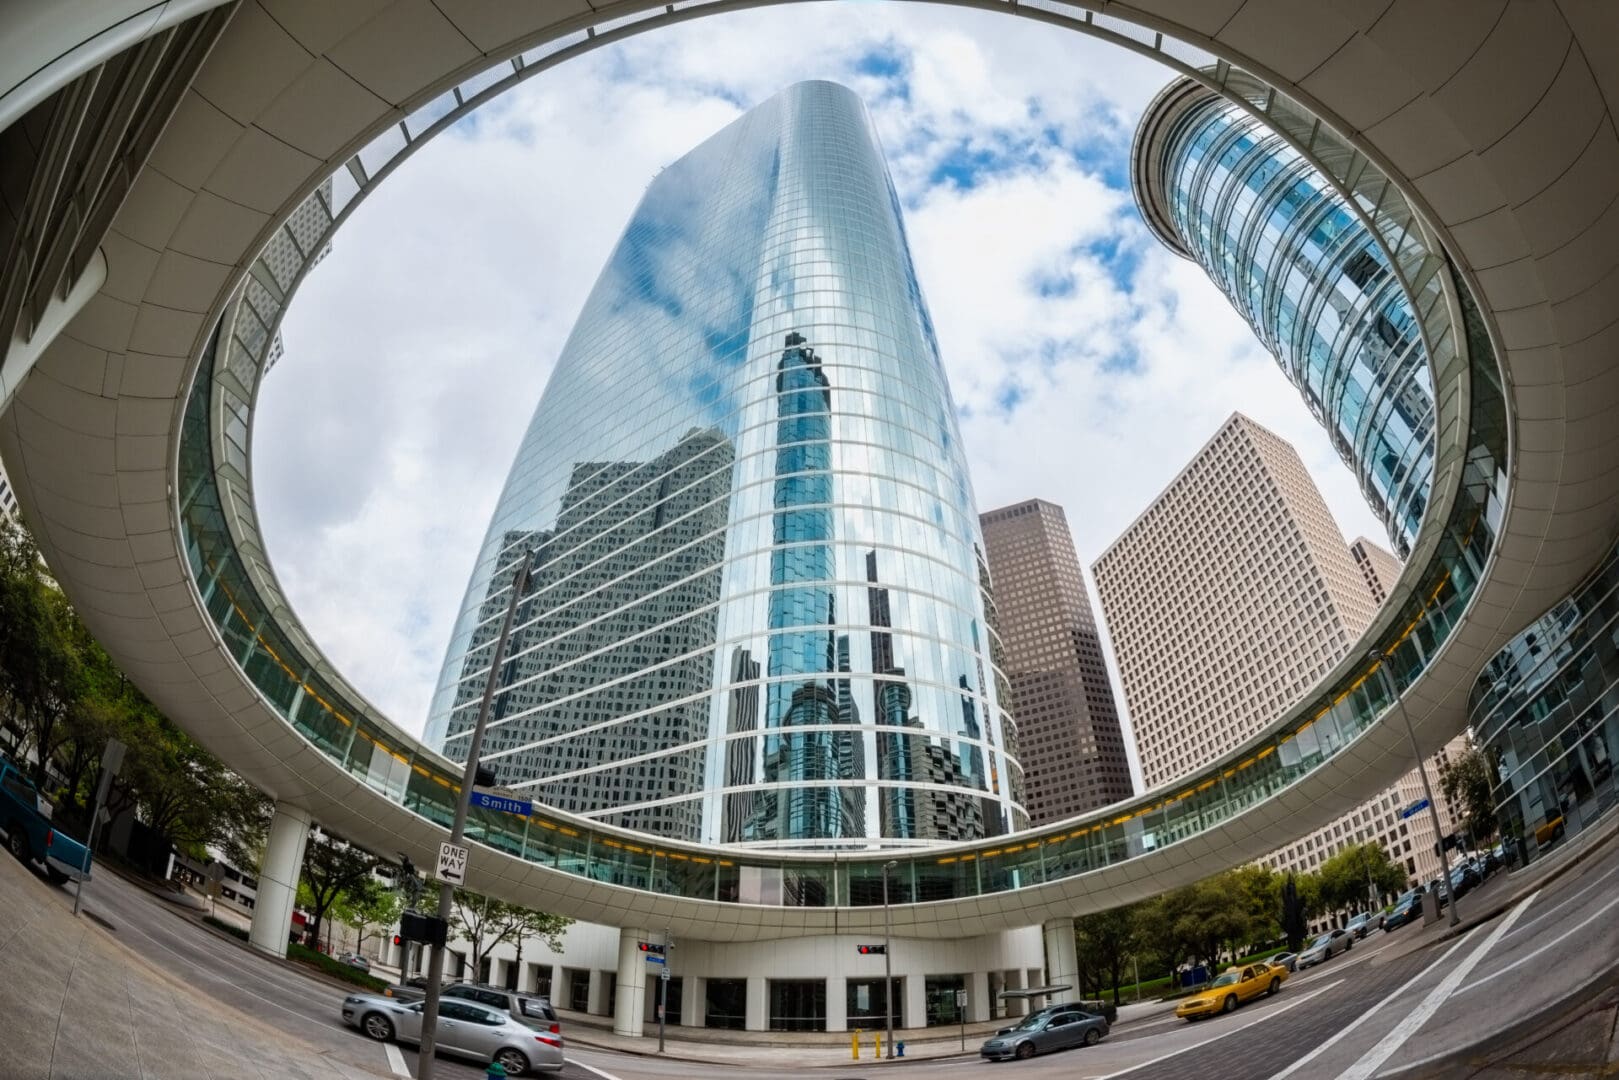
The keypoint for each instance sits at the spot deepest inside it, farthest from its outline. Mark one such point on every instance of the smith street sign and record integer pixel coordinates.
(504, 804)
(1415, 808)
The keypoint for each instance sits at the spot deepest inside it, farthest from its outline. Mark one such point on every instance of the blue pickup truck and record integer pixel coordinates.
(26, 819)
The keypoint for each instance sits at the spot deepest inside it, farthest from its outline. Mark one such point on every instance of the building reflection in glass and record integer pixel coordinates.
(757, 615)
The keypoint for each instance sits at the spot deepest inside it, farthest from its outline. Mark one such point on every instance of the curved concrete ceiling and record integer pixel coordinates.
(1495, 117)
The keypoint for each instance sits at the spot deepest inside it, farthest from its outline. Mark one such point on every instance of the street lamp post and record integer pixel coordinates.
(446, 892)
(1381, 659)
(888, 960)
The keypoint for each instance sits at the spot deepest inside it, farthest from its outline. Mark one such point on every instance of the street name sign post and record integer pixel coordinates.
(504, 804)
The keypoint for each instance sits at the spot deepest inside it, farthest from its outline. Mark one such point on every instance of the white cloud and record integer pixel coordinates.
(418, 348)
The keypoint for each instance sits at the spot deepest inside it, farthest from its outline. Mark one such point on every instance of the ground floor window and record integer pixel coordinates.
(726, 1004)
(866, 1004)
(674, 990)
(797, 1004)
(942, 991)
(612, 993)
(540, 979)
(579, 991)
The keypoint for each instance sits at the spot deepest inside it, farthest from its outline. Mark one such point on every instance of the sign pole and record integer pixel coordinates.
(112, 759)
(663, 985)
(446, 891)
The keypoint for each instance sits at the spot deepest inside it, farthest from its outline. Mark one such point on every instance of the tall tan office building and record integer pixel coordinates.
(1230, 596)
(1072, 745)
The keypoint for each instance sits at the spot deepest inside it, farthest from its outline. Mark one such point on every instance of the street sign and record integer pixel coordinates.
(1415, 808)
(654, 958)
(452, 863)
(504, 804)
(664, 975)
(961, 999)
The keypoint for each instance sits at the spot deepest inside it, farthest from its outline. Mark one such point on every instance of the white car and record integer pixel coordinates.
(1325, 947)
(1365, 923)
(466, 1029)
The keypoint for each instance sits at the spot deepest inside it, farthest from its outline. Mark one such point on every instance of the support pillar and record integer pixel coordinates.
(596, 1000)
(1062, 959)
(277, 891)
(1014, 981)
(629, 1005)
(757, 1015)
(837, 1003)
(693, 998)
(915, 989)
(978, 997)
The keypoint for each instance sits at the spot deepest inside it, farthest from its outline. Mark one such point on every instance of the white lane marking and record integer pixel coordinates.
(396, 1060)
(603, 1073)
(1266, 1015)
(1386, 1048)
(1365, 1016)
(1563, 902)
(1582, 924)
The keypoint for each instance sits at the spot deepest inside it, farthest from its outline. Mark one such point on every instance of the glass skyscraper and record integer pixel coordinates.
(1294, 257)
(757, 614)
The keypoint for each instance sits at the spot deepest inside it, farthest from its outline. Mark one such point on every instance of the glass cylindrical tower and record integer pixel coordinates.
(757, 615)
(1290, 252)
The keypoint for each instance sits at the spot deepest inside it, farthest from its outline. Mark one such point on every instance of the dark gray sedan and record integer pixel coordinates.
(465, 1030)
(1049, 1029)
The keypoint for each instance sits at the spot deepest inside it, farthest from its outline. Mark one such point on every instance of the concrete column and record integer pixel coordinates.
(278, 879)
(1062, 958)
(596, 1002)
(693, 997)
(915, 989)
(978, 997)
(1014, 981)
(629, 1006)
(757, 1016)
(837, 1003)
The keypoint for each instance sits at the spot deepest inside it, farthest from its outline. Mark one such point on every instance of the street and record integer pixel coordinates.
(1381, 1009)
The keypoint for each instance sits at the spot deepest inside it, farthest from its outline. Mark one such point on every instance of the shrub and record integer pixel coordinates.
(330, 966)
(220, 924)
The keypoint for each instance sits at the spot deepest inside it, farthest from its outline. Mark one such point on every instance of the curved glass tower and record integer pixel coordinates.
(1221, 188)
(757, 611)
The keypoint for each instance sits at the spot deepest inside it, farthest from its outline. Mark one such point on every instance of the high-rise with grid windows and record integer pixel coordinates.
(1074, 757)
(756, 613)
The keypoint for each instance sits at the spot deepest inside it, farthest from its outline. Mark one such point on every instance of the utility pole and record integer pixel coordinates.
(446, 891)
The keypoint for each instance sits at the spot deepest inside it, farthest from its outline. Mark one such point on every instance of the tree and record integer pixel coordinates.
(331, 868)
(1466, 782)
(39, 668)
(1105, 941)
(486, 922)
(366, 906)
(1345, 876)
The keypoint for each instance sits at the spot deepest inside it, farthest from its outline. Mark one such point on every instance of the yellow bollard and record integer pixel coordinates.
(876, 1046)
(854, 1044)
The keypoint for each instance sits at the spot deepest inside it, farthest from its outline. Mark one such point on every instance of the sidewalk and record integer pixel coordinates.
(79, 1004)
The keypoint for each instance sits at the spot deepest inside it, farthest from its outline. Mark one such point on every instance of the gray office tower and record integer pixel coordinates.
(757, 613)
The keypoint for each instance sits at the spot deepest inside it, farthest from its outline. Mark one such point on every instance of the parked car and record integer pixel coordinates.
(465, 1030)
(355, 960)
(1288, 960)
(1365, 923)
(1463, 878)
(1408, 908)
(531, 1009)
(1325, 947)
(1231, 989)
(1055, 1028)
(30, 836)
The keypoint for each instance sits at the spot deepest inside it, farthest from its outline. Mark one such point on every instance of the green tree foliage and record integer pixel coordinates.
(1345, 876)
(67, 698)
(486, 922)
(1465, 781)
(368, 906)
(1105, 942)
(332, 868)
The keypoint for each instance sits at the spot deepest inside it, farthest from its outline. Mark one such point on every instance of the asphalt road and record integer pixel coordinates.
(1378, 1010)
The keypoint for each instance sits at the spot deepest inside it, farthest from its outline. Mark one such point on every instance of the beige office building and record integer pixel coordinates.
(1069, 737)
(1227, 599)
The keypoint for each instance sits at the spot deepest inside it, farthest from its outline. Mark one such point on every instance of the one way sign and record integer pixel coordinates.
(452, 864)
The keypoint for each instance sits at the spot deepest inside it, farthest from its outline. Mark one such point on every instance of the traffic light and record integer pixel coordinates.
(873, 950)
(398, 940)
(423, 928)
(649, 947)
(484, 775)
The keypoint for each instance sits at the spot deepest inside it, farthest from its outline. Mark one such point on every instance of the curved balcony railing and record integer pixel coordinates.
(237, 588)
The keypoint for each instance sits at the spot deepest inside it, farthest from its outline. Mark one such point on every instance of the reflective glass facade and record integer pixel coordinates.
(1546, 709)
(1312, 280)
(757, 611)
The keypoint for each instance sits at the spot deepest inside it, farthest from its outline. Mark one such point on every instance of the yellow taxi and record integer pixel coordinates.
(1236, 986)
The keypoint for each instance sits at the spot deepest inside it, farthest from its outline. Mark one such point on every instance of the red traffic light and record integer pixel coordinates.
(649, 947)
(398, 940)
(872, 950)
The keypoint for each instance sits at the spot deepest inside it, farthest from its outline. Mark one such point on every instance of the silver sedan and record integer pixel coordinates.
(465, 1030)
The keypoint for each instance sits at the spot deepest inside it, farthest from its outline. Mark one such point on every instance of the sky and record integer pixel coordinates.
(1088, 364)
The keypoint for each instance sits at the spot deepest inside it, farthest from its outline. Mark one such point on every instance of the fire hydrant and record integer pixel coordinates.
(899, 1049)
(496, 1071)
